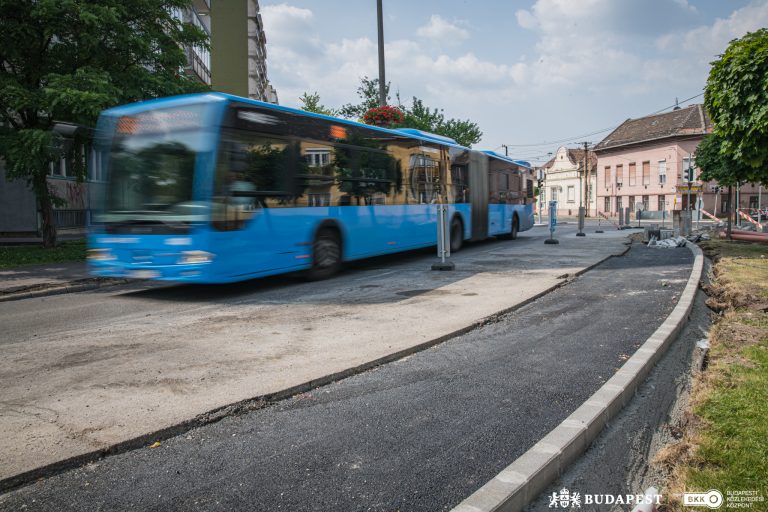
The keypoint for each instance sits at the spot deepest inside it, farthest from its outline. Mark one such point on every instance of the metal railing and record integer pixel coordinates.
(70, 218)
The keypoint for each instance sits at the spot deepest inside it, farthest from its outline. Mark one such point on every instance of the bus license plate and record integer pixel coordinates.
(145, 274)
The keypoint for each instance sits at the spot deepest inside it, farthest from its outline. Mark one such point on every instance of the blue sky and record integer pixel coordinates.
(528, 72)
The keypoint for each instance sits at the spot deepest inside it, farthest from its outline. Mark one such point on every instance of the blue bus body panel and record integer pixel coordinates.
(500, 218)
(275, 240)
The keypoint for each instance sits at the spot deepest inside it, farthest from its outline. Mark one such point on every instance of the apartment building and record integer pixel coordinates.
(642, 161)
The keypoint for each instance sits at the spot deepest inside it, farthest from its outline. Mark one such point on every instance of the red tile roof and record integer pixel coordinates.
(691, 120)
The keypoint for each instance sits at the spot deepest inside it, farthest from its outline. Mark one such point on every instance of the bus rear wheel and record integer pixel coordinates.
(457, 235)
(326, 255)
(515, 228)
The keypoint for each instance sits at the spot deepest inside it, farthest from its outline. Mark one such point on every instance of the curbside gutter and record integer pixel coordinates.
(80, 285)
(523, 480)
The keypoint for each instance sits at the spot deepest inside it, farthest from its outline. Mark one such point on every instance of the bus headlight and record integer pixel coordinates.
(100, 255)
(192, 257)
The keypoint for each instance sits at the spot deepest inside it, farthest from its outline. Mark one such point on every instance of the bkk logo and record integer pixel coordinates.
(712, 499)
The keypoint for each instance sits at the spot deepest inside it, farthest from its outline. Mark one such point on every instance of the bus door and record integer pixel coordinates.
(253, 188)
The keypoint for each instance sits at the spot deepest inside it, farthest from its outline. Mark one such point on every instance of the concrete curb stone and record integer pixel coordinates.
(523, 480)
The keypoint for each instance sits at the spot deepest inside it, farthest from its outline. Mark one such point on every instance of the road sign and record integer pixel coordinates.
(552, 215)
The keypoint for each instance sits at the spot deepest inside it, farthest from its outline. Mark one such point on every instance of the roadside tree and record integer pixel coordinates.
(67, 61)
(736, 98)
(716, 164)
(311, 103)
(418, 115)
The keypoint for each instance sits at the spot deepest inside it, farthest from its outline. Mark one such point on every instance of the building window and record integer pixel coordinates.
(318, 157)
(58, 168)
(619, 174)
(662, 203)
(725, 205)
(95, 169)
(646, 173)
(753, 202)
(322, 199)
(631, 203)
(607, 176)
(619, 202)
(571, 194)
(662, 172)
(632, 174)
(646, 203)
(607, 205)
(554, 193)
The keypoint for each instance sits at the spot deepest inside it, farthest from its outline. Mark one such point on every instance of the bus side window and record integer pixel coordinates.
(424, 173)
(365, 176)
(253, 171)
(315, 180)
(458, 188)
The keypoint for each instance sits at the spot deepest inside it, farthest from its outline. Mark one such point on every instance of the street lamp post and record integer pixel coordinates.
(382, 80)
(581, 207)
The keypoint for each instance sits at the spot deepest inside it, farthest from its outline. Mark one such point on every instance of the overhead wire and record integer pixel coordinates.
(575, 137)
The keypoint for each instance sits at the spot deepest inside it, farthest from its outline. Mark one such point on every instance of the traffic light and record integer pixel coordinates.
(688, 175)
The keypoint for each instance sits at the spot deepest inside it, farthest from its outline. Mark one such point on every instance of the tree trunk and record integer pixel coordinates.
(730, 212)
(45, 202)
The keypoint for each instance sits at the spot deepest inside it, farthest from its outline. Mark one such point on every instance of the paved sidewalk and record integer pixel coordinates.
(85, 372)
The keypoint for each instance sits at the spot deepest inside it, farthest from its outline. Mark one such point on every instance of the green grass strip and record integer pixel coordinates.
(18, 256)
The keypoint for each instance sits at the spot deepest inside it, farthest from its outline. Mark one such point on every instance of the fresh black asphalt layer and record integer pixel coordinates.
(421, 433)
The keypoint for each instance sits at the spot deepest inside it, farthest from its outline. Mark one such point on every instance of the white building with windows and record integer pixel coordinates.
(566, 182)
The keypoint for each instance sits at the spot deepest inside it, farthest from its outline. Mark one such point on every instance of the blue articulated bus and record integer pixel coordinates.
(214, 188)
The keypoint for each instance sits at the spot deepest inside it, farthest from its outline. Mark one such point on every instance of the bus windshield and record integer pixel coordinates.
(151, 167)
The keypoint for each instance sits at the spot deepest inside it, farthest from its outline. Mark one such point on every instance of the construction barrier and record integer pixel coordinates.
(601, 214)
(749, 218)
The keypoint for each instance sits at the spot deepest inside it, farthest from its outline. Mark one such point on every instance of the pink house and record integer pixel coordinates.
(643, 161)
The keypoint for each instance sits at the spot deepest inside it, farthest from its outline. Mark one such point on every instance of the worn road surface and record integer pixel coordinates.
(85, 371)
(422, 433)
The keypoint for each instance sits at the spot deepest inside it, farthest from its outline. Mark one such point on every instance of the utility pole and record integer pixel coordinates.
(583, 192)
(382, 80)
(587, 191)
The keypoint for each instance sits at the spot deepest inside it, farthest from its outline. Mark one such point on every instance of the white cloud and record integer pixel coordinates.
(442, 31)
(299, 61)
(712, 40)
(598, 57)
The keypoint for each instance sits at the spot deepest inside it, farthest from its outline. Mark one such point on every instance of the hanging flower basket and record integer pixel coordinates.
(386, 116)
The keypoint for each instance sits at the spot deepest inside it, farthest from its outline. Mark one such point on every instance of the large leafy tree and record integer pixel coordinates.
(311, 103)
(369, 96)
(418, 115)
(736, 98)
(717, 164)
(66, 60)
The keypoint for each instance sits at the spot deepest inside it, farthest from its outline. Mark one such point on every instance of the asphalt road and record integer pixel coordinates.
(619, 461)
(418, 434)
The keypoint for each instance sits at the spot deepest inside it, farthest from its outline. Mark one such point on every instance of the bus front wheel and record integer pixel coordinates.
(326, 255)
